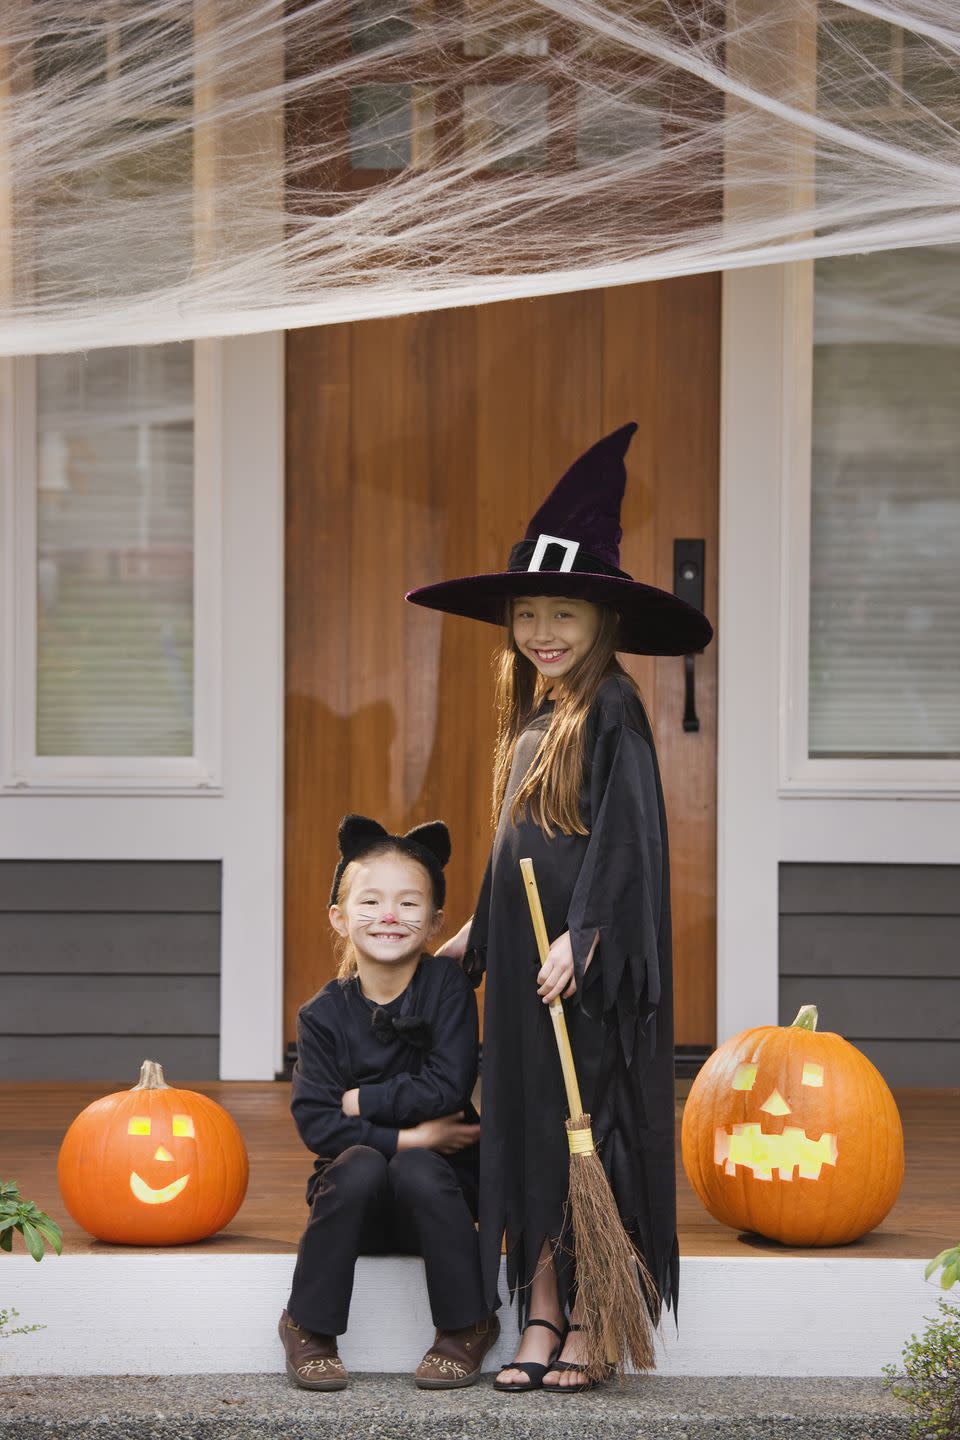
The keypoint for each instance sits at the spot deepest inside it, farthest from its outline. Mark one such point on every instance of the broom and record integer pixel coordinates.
(612, 1280)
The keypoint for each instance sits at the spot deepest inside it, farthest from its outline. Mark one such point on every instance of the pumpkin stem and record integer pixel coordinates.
(151, 1077)
(806, 1018)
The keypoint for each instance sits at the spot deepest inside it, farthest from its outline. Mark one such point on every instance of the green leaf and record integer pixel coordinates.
(9, 1223)
(6, 1240)
(51, 1233)
(937, 1260)
(32, 1240)
(949, 1275)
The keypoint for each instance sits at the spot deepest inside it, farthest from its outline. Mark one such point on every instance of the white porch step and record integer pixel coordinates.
(180, 1312)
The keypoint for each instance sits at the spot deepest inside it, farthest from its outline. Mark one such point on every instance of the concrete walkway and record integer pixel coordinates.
(389, 1407)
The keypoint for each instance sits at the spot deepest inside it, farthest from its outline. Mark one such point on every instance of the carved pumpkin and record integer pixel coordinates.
(793, 1134)
(153, 1165)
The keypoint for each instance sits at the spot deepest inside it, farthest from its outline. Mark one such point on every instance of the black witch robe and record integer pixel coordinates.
(616, 881)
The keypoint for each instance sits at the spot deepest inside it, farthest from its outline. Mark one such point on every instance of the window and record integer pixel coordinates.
(885, 513)
(500, 96)
(113, 574)
(873, 526)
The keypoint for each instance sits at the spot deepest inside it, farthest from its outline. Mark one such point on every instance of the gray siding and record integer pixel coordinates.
(877, 949)
(104, 963)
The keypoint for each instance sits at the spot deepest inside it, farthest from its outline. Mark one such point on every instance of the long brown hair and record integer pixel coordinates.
(551, 788)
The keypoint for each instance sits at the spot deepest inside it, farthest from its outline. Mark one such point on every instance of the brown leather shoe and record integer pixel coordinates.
(312, 1360)
(455, 1357)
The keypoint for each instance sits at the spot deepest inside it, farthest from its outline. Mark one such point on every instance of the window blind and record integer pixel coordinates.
(885, 508)
(115, 545)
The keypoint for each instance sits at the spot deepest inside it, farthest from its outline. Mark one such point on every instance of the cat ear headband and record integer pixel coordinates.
(429, 844)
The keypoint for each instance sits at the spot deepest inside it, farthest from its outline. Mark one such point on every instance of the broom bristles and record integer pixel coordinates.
(613, 1284)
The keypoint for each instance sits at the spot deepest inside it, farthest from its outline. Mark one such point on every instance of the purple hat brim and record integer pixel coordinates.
(652, 621)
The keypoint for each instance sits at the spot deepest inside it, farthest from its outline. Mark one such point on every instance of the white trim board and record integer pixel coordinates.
(777, 1315)
(751, 442)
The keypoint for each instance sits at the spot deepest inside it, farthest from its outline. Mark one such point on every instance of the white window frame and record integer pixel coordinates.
(22, 770)
(799, 773)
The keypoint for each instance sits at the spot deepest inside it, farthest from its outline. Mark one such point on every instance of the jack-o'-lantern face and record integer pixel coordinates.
(153, 1165)
(764, 1149)
(792, 1133)
(181, 1127)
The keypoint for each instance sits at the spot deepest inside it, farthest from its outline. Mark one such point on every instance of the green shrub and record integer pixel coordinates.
(5, 1329)
(36, 1227)
(929, 1380)
(19, 1214)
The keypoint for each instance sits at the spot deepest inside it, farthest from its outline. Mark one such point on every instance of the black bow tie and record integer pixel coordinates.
(412, 1029)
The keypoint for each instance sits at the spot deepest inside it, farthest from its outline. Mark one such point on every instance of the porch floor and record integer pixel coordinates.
(34, 1117)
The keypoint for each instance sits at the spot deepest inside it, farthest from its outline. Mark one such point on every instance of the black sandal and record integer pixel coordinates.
(567, 1366)
(531, 1368)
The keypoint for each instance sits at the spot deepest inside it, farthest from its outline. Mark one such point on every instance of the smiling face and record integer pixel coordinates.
(181, 1127)
(792, 1133)
(386, 909)
(763, 1150)
(554, 633)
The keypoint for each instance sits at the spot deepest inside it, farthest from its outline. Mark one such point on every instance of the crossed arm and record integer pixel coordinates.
(403, 1112)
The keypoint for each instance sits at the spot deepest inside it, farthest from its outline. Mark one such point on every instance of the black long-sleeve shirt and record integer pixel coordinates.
(400, 1084)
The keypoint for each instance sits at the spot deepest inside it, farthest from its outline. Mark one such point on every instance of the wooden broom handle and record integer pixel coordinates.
(574, 1103)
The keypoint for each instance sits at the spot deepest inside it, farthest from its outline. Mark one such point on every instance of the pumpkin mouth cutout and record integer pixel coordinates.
(148, 1196)
(763, 1151)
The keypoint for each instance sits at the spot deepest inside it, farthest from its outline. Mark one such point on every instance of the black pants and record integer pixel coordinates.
(365, 1204)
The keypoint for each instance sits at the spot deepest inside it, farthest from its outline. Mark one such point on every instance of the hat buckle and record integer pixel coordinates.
(540, 549)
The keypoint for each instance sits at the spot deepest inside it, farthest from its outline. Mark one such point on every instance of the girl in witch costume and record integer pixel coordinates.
(386, 1062)
(577, 789)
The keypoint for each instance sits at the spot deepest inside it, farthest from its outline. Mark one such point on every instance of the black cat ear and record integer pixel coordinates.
(434, 836)
(358, 833)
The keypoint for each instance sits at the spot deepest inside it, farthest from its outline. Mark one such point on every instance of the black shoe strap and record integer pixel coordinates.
(547, 1326)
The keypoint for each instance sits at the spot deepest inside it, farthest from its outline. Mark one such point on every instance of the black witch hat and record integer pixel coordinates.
(572, 548)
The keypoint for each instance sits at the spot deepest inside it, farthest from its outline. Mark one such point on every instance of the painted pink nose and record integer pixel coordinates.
(389, 919)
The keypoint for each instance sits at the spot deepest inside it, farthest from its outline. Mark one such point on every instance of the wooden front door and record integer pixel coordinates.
(418, 447)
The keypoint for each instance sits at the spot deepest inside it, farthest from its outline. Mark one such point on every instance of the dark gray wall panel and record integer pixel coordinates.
(870, 889)
(111, 1005)
(95, 942)
(935, 1063)
(881, 1007)
(868, 944)
(111, 1058)
(110, 885)
(877, 949)
(105, 962)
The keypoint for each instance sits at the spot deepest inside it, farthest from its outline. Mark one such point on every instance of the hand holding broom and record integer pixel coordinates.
(611, 1277)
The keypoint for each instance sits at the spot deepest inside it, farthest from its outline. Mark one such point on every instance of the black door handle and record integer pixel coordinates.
(688, 556)
(690, 718)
